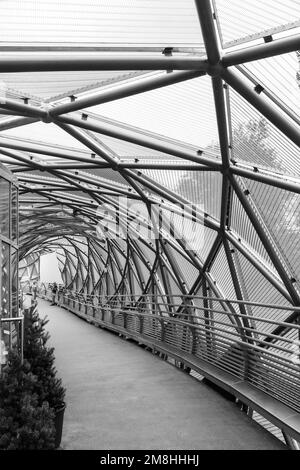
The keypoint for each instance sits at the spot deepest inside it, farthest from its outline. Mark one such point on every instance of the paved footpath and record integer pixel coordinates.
(120, 396)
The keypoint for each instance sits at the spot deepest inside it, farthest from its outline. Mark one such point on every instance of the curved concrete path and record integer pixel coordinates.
(120, 396)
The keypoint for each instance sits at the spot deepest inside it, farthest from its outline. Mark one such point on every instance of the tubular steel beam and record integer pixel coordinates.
(267, 92)
(92, 47)
(41, 148)
(263, 106)
(88, 142)
(23, 109)
(262, 51)
(237, 288)
(124, 90)
(163, 165)
(205, 14)
(220, 108)
(155, 143)
(47, 62)
(175, 199)
(11, 123)
(266, 179)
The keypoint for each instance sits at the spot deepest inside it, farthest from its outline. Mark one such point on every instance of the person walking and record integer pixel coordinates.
(34, 291)
(54, 292)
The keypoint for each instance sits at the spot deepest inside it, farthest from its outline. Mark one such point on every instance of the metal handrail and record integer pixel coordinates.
(201, 339)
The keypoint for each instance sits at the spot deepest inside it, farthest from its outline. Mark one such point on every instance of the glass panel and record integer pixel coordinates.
(4, 207)
(5, 287)
(14, 282)
(14, 213)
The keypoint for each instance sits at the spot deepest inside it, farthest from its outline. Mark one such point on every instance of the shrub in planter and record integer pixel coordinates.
(41, 358)
(24, 422)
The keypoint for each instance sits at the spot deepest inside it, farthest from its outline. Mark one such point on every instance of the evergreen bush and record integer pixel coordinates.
(30, 393)
(25, 423)
(41, 358)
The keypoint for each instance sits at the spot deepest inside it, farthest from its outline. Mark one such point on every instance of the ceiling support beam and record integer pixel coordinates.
(276, 181)
(262, 51)
(88, 142)
(23, 109)
(124, 90)
(47, 62)
(43, 149)
(11, 123)
(222, 117)
(206, 19)
(153, 142)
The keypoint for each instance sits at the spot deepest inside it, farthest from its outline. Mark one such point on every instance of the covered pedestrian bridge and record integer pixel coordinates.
(155, 148)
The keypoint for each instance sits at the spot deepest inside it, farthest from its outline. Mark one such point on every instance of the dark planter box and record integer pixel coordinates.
(58, 422)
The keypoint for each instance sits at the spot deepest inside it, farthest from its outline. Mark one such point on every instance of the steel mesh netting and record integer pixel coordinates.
(202, 188)
(281, 211)
(263, 18)
(171, 111)
(222, 276)
(243, 227)
(258, 142)
(277, 75)
(100, 22)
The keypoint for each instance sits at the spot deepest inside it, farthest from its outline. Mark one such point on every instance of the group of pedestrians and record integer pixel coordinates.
(52, 286)
(54, 290)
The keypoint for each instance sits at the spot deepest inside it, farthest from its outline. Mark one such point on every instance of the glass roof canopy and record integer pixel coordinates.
(114, 109)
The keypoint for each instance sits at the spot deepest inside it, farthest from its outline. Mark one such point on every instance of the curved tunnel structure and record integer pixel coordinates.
(165, 177)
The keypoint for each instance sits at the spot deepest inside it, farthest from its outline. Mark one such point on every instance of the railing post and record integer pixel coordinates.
(162, 333)
(194, 341)
(141, 318)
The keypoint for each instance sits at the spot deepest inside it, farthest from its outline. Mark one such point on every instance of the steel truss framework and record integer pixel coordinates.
(70, 207)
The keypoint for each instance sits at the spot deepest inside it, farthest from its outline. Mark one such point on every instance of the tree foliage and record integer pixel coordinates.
(25, 423)
(30, 392)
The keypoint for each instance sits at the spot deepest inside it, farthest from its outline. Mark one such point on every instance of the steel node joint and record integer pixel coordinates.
(116, 166)
(215, 70)
(47, 118)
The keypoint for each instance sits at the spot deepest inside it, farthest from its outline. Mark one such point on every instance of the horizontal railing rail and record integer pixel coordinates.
(223, 344)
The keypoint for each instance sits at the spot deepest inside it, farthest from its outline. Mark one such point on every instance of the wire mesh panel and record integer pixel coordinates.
(108, 22)
(258, 142)
(263, 18)
(281, 211)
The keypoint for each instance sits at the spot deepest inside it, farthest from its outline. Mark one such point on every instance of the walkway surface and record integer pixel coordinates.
(120, 396)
